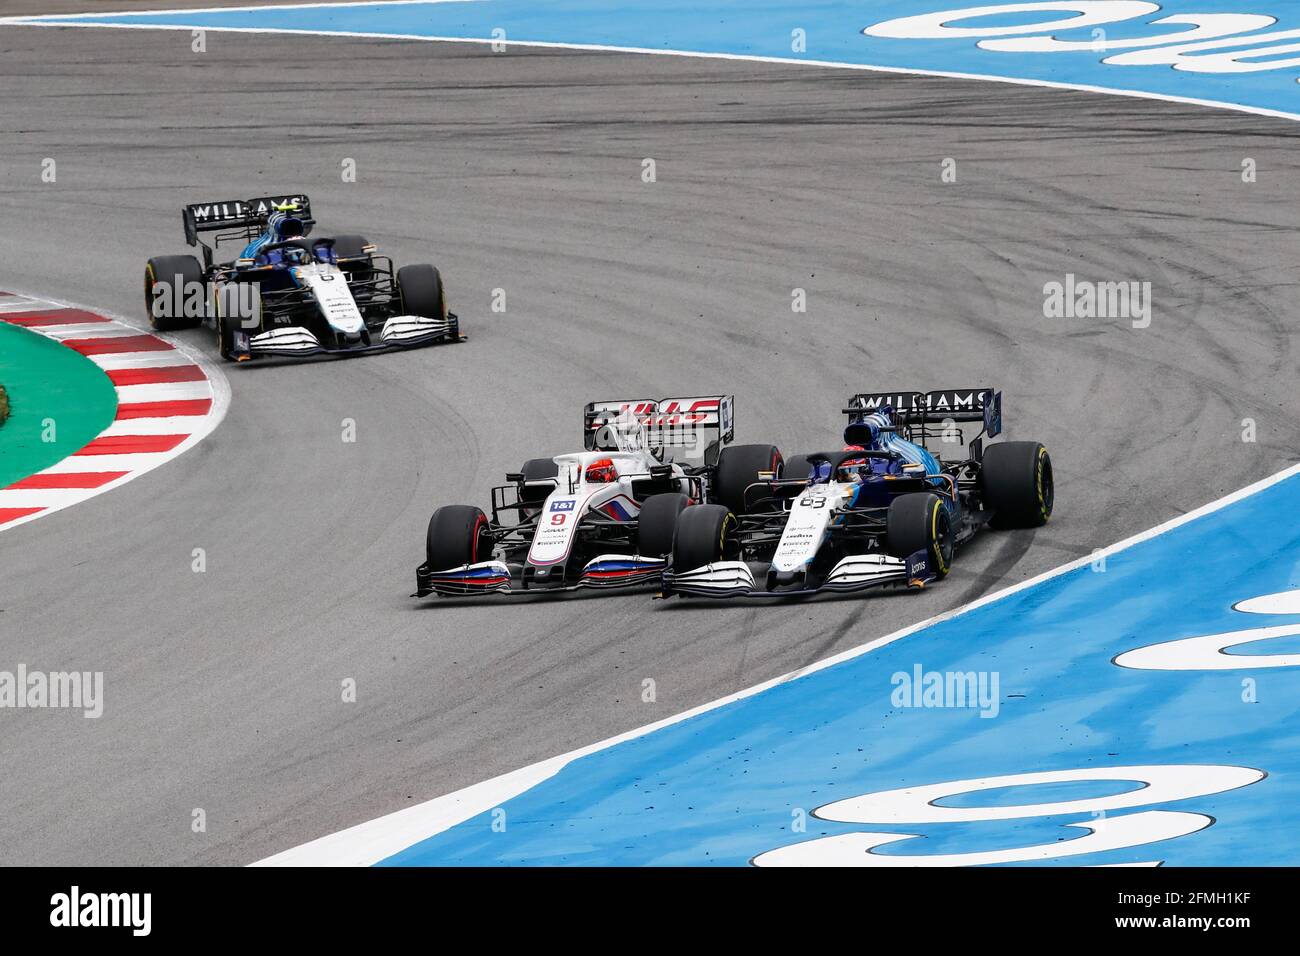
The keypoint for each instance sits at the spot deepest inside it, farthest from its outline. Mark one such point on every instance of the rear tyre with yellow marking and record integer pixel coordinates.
(1016, 484)
(178, 276)
(920, 522)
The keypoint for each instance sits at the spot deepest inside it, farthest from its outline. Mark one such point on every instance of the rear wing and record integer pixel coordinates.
(914, 411)
(698, 426)
(237, 214)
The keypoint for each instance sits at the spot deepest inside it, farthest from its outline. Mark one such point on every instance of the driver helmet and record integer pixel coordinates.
(855, 469)
(864, 433)
(292, 255)
(601, 471)
(284, 225)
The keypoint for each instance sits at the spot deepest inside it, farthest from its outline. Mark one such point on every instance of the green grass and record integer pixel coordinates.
(57, 400)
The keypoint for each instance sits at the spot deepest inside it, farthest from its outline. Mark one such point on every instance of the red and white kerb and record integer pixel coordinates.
(166, 404)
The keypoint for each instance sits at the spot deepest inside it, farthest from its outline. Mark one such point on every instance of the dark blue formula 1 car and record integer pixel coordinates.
(884, 510)
(290, 295)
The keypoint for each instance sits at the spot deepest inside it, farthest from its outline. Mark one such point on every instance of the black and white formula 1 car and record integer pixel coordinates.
(286, 294)
(884, 510)
(602, 517)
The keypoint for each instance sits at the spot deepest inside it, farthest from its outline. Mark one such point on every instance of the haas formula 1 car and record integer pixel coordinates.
(289, 295)
(882, 511)
(602, 517)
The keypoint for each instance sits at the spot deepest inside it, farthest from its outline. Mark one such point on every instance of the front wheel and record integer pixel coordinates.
(1016, 483)
(419, 291)
(232, 302)
(458, 535)
(919, 522)
(705, 534)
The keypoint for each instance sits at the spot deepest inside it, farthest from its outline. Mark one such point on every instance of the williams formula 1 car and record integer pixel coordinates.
(884, 510)
(602, 517)
(290, 295)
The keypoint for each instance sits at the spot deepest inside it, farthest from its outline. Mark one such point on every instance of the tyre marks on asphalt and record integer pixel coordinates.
(166, 403)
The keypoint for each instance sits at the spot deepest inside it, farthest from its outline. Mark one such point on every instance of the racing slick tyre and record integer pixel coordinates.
(350, 247)
(458, 535)
(919, 522)
(230, 304)
(795, 468)
(739, 467)
(225, 339)
(1016, 484)
(537, 469)
(178, 274)
(351, 256)
(705, 534)
(656, 523)
(419, 289)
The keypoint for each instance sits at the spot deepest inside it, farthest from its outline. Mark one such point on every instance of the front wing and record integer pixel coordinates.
(604, 572)
(400, 331)
(859, 572)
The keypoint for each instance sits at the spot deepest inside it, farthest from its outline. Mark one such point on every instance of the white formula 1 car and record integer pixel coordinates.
(882, 511)
(289, 295)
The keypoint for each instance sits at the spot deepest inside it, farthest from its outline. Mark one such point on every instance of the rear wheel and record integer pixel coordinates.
(797, 468)
(178, 276)
(656, 523)
(704, 535)
(458, 535)
(740, 466)
(352, 258)
(920, 522)
(1016, 483)
(419, 290)
(537, 469)
(351, 247)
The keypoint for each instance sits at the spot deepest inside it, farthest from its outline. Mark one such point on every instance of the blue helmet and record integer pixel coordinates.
(285, 225)
(865, 432)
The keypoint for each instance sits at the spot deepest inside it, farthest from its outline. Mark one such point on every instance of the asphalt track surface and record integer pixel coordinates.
(522, 171)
